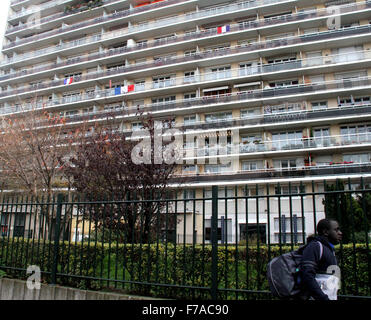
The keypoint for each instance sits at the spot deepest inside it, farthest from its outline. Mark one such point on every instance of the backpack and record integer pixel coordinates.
(282, 273)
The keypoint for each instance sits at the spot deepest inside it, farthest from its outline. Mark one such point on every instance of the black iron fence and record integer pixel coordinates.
(195, 244)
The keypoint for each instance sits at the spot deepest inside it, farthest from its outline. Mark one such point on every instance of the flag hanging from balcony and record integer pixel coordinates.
(129, 88)
(68, 81)
(223, 29)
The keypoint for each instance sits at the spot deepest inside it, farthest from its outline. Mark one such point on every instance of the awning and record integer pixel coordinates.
(247, 84)
(215, 89)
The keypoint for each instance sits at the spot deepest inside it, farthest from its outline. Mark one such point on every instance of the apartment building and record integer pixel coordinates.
(291, 77)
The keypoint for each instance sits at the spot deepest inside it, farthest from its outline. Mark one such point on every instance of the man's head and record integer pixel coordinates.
(329, 229)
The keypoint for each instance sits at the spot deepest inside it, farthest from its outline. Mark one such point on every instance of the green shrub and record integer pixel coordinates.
(139, 268)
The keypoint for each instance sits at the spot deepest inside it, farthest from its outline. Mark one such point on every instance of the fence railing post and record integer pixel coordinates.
(214, 243)
(54, 271)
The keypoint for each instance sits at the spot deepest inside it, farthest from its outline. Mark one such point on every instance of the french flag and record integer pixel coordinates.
(223, 29)
(129, 88)
(68, 81)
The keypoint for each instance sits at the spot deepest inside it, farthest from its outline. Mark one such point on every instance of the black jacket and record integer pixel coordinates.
(311, 264)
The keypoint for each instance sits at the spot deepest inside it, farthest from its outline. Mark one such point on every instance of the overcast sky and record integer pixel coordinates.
(4, 8)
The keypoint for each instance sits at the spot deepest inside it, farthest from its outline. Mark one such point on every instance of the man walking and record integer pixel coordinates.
(318, 256)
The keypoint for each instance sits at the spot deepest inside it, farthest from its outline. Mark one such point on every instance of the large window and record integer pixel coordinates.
(287, 140)
(356, 158)
(355, 134)
(220, 116)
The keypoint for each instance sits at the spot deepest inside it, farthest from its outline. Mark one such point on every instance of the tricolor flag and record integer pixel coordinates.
(223, 29)
(68, 80)
(129, 88)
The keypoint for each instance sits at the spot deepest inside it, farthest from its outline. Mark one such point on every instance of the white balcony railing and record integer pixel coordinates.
(200, 78)
(183, 18)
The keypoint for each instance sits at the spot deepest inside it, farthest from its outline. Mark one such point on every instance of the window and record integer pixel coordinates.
(362, 100)
(189, 120)
(314, 58)
(251, 191)
(222, 192)
(287, 140)
(355, 134)
(285, 164)
(190, 53)
(19, 225)
(190, 169)
(250, 113)
(224, 229)
(116, 67)
(350, 75)
(251, 143)
(215, 168)
(163, 81)
(285, 83)
(220, 116)
(245, 43)
(164, 39)
(163, 100)
(253, 233)
(189, 76)
(348, 54)
(140, 85)
(356, 158)
(282, 59)
(321, 161)
(75, 76)
(319, 105)
(218, 73)
(249, 165)
(322, 137)
(248, 68)
(136, 126)
(283, 227)
(191, 95)
(4, 224)
(294, 189)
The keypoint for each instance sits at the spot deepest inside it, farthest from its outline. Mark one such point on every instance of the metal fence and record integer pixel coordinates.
(195, 244)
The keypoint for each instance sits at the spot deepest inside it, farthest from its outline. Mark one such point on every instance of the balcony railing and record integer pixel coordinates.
(49, 4)
(202, 78)
(49, 19)
(276, 173)
(296, 90)
(90, 22)
(197, 35)
(200, 14)
(279, 145)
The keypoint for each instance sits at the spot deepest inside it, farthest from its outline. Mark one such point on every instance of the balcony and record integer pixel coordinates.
(231, 74)
(233, 28)
(278, 145)
(278, 173)
(240, 97)
(91, 22)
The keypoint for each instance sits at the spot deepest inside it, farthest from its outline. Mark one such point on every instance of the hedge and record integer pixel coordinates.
(89, 265)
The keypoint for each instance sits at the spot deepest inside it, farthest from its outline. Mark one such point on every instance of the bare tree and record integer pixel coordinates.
(102, 168)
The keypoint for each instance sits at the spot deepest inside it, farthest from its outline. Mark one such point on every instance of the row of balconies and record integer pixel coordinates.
(278, 145)
(259, 69)
(240, 97)
(301, 16)
(257, 120)
(91, 22)
(196, 35)
(271, 173)
(125, 13)
(175, 60)
(47, 5)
